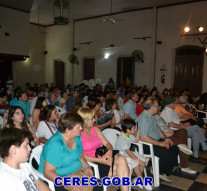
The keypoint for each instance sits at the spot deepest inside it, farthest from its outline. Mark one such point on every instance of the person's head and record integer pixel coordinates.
(88, 117)
(169, 102)
(75, 94)
(22, 96)
(134, 97)
(128, 126)
(140, 99)
(154, 92)
(64, 95)
(49, 113)
(151, 106)
(41, 93)
(110, 80)
(94, 104)
(183, 100)
(70, 122)
(3, 96)
(14, 143)
(75, 107)
(40, 103)
(52, 96)
(110, 104)
(16, 115)
(165, 92)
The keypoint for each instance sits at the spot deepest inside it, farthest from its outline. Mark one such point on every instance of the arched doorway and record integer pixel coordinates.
(189, 69)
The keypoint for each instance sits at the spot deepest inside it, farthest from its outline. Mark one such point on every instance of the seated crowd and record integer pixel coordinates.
(70, 123)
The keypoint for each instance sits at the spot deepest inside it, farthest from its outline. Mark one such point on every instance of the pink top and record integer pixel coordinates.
(90, 142)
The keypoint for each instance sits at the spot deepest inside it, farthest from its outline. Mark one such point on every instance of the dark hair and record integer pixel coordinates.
(132, 94)
(3, 94)
(127, 124)
(109, 104)
(39, 102)
(11, 136)
(68, 121)
(149, 103)
(46, 112)
(20, 93)
(93, 102)
(75, 107)
(12, 110)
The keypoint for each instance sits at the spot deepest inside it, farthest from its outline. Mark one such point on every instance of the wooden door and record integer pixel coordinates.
(189, 69)
(125, 71)
(59, 74)
(88, 68)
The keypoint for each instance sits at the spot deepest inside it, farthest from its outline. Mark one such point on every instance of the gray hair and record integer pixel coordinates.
(149, 103)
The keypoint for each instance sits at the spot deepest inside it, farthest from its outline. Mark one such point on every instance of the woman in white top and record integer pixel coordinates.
(48, 123)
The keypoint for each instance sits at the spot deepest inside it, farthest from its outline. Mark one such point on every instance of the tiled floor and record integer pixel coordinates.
(182, 181)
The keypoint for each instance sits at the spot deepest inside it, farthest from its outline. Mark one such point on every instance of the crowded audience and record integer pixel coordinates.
(70, 122)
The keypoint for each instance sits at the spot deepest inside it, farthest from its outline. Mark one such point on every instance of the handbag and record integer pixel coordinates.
(104, 118)
(79, 173)
(101, 151)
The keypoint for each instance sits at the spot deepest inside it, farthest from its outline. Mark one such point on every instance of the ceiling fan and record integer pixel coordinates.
(111, 18)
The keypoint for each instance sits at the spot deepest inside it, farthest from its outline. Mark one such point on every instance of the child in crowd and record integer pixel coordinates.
(15, 172)
(123, 144)
(111, 107)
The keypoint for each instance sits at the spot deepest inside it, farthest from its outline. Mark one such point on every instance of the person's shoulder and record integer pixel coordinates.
(56, 140)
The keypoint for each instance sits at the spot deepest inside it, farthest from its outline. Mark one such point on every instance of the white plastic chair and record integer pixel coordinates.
(85, 82)
(60, 110)
(202, 114)
(36, 152)
(155, 162)
(91, 83)
(111, 135)
(98, 81)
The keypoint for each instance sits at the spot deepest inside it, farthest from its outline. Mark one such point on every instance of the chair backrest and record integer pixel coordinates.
(36, 152)
(98, 81)
(111, 135)
(60, 110)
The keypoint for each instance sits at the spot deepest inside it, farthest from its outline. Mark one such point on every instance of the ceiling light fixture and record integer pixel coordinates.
(202, 37)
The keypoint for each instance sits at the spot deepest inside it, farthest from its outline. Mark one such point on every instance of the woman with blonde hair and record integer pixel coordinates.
(92, 139)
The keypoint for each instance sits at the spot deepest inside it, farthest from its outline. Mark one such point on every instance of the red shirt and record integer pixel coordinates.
(139, 109)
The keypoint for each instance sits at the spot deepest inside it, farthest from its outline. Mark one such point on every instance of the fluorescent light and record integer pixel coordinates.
(106, 56)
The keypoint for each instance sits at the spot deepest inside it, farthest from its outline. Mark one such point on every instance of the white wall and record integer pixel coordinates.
(121, 35)
(16, 23)
(33, 69)
(171, 22)
(58, 44)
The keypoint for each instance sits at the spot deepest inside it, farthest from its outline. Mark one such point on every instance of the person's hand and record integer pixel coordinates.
(138, 131)
(106, 160)
(169, 133)
(167, 140)
(187, 124)
(75, 188)
(89, 171)
(141, 163)
(164, 144)
(109, 123)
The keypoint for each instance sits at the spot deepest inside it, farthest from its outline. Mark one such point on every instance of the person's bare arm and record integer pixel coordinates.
(43, 140)
(126, 116)
(148, 139)
(161, 133)
(42, 186)
(171, 124)
(183, 115)
(36, 140)
(34, 118)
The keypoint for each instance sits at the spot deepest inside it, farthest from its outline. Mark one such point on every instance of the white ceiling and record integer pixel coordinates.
(80, 9)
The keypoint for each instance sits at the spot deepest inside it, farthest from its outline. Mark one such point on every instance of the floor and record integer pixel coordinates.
(182, 181)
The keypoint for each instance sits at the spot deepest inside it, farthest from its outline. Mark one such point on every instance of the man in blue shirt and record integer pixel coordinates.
(72, 99)
(130, 107)
(150, 133)
(24, 104)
